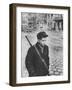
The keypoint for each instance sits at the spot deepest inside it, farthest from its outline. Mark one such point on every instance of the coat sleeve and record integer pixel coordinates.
(48, 61)
(48, 53)
(48, 56)
(29, 62)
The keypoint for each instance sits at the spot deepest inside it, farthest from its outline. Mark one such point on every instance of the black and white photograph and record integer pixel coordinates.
(41, 44)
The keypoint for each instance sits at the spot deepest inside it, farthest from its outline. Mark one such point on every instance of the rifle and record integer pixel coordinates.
(28, 41)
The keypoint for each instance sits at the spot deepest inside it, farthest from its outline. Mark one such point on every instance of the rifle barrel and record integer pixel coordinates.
(28, 41)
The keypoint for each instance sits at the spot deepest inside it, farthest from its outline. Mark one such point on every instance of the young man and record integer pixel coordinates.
(37, 59)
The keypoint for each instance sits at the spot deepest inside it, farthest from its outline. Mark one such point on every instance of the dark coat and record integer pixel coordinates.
(33, 62)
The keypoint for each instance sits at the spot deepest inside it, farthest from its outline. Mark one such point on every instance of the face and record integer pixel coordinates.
(43, 41)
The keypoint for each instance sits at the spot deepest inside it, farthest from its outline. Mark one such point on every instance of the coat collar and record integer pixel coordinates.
(40, 47)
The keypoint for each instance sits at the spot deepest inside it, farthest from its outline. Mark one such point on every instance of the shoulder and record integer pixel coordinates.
(31, 49)
(46, 46)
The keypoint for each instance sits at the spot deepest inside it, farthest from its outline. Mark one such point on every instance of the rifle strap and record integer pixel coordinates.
(41, 57)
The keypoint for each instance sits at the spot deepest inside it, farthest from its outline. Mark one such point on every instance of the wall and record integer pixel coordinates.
(4, 45)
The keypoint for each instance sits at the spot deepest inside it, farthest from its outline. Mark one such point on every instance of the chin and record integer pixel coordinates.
(43, 44)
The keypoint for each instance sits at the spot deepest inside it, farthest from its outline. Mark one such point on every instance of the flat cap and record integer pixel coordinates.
(41, 35)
